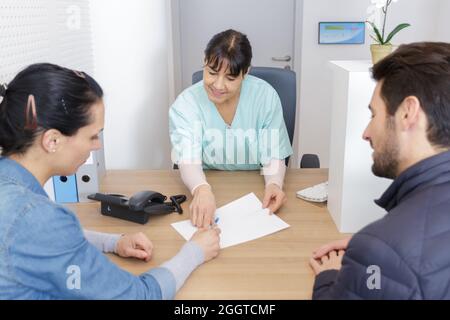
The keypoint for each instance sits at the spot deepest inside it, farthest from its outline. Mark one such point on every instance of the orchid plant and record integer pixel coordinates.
(373, 19)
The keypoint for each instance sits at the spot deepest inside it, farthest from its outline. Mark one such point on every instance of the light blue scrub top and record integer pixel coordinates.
(256, 136)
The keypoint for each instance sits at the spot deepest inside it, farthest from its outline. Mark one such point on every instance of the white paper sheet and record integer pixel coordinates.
(240, 221)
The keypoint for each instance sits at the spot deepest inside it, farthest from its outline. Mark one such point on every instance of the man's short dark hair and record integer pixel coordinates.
(421, 70)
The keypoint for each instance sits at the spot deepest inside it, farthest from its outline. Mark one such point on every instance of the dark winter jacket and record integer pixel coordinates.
(406, 254)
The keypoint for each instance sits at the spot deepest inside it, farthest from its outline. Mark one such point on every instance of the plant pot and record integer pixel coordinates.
(380, 51)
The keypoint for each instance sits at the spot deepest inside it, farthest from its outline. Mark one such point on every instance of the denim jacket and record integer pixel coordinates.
(45, 255)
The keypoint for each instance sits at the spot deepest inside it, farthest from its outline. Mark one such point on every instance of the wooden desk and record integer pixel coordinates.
(273, 267)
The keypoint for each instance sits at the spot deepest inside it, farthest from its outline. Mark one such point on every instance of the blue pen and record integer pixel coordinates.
(216, 220)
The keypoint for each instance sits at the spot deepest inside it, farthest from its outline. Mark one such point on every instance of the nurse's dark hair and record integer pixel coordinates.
(231, 47)
(422, 70)
(41, 97)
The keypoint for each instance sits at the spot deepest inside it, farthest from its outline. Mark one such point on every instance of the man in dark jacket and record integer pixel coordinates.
(406, 254)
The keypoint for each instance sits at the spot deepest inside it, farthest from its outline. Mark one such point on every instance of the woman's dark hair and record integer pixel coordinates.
(232, 47)
(421, 70)
(44, 96)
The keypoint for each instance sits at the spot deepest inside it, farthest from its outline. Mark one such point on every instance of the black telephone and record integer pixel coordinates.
(139, 207)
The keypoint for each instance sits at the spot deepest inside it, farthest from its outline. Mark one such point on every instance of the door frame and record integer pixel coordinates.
(174, 49)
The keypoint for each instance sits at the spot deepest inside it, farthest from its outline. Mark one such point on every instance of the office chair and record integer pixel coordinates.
(310, 161)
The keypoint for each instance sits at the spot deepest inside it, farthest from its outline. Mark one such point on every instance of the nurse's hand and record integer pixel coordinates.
(274, 197)
(203, 207)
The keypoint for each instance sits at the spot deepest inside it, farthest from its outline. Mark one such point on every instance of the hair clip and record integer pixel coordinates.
(63, 102)
(79, 73)
(31, 106)
(3, 88)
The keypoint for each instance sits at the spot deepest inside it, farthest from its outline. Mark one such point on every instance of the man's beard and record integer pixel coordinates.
(385, 162)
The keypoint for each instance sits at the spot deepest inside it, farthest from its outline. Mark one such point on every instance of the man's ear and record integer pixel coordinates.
(51, 140)
(409, 112)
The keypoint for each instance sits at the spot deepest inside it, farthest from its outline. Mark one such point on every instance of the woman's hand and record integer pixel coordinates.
(274, 197)
(135, 245)
(208, 239)
(203, 207)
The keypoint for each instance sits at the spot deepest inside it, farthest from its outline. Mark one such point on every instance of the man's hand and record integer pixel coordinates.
(203, 207)
(135, 245)
(332, 246)
(333, 261)
(274, 197)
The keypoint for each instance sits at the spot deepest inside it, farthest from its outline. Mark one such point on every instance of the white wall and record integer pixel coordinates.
(442, 29)
(315, 92)
(44, 31)
(132, 44)
(131, 62)
(269, 25)
(421, 14)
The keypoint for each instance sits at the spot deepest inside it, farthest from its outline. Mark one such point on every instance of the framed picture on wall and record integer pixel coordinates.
(342, 32)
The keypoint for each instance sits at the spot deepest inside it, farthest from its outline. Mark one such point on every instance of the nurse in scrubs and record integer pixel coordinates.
(229, 121)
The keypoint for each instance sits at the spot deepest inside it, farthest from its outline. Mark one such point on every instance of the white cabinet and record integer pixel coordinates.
(352, 187)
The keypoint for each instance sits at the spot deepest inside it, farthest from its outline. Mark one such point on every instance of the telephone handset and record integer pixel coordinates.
(140, 206)
(141, 199)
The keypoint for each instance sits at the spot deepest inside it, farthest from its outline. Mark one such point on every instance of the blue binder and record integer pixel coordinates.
(65, 189)
(86, 181)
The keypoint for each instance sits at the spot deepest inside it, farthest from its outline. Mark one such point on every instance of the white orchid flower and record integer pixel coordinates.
(381, 3)
(376, 18)
(373, 14)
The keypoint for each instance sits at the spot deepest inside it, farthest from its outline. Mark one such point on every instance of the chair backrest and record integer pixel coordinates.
(285, 84)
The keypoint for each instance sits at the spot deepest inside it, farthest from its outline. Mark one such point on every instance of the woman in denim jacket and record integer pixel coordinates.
(50, 121)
